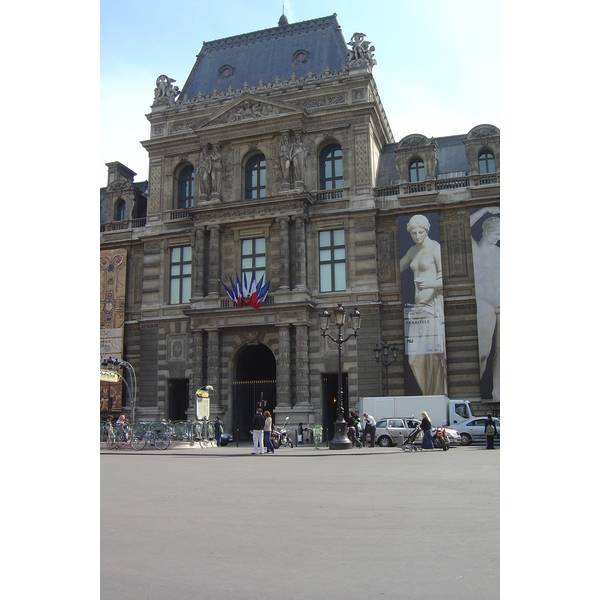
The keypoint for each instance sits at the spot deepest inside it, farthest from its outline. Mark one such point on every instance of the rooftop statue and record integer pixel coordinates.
(360, 50)
(165, 92)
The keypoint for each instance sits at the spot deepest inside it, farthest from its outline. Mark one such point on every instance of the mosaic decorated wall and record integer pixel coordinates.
(113, 273)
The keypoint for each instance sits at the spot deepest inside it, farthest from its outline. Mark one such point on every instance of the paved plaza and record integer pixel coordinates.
(303, 523)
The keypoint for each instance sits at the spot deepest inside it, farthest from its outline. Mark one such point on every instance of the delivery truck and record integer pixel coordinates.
(441, 410)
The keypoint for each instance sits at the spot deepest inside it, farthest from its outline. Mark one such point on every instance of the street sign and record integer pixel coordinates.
(202, 405)
(110, 376)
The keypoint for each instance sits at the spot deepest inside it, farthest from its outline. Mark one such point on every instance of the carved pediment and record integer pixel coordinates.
(415, 140)
(247, 108)
(483, 131)
(120, 186)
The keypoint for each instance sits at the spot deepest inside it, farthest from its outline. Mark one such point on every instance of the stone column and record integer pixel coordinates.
(212, 369)
(300, 253)
(283, 369)
(199, 263)
(196, 379)
(284, 253)
(302, 366)
(213, 260)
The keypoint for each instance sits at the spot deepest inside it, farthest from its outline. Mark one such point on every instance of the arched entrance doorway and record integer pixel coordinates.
(254, 385)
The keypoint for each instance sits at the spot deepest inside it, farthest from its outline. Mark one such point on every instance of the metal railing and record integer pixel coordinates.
(441, 183)
(122, 225)
(188, 431)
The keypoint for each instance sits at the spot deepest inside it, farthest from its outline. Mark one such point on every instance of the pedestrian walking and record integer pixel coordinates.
(427, 443)
(258, 432)
(352, 429)
(268, 429)
(370, 427)
(218, 430)
(490, 432)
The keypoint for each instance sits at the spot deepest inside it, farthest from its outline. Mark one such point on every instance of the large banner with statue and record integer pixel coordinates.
(485, 239)
(113, 273)
(425, 371)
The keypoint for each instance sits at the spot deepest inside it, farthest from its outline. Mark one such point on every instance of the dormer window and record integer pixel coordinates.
(301, 56)
(487, 163)
(120, 211)
(416, 171)
(225, 71)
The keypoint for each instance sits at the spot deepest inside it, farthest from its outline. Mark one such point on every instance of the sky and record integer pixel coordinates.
(437, 72)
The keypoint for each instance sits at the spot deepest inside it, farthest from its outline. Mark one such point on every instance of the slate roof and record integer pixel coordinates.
(267, 54)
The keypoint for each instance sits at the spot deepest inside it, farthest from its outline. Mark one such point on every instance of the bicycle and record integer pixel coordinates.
(150, 434)
(117, 435)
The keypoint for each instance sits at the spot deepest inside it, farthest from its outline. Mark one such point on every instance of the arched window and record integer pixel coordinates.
(487, 162)
(120, 211)
(185, 187)
(416, 171)
(331, 174)
(256, 177)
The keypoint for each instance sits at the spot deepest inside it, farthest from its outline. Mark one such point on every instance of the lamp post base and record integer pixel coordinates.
(340, 440)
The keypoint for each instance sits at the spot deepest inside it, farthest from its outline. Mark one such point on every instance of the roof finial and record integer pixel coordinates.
(283, 19)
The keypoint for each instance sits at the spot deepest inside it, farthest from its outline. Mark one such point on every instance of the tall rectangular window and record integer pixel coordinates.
(332, 261)
(256, 177)
(253, 258)
(181, 275)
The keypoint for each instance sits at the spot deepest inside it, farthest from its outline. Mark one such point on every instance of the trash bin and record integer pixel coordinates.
(318, 434)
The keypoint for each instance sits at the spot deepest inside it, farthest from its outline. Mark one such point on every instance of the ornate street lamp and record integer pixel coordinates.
(386, 362)
(123, 363)
(340, 440)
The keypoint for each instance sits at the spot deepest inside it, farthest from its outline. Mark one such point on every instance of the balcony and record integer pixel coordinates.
(122, 225)
(324, 195)
(446, 181)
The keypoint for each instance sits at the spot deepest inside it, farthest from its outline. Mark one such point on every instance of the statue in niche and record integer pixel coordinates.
(285, 158)
(292, 157)
(210, 170)
(298, 158)
(216, 171)
(204, 168)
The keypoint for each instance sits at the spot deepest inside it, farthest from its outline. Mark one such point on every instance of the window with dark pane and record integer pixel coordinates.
(181, 275)
(332, 261)
(185, 187)
(331, 174)
(253, 258)
(416, 171)
(256, 177)
(487, 163)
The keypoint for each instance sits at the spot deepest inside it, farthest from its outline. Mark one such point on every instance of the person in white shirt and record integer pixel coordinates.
(370, 429)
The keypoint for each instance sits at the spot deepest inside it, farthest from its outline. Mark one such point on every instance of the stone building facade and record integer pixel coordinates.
(277, 156)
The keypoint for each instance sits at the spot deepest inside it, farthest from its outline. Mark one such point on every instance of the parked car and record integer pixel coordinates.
(474, 430)
(388, 431)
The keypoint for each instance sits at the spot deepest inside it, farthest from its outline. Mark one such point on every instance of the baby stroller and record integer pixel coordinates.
(408, 445)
